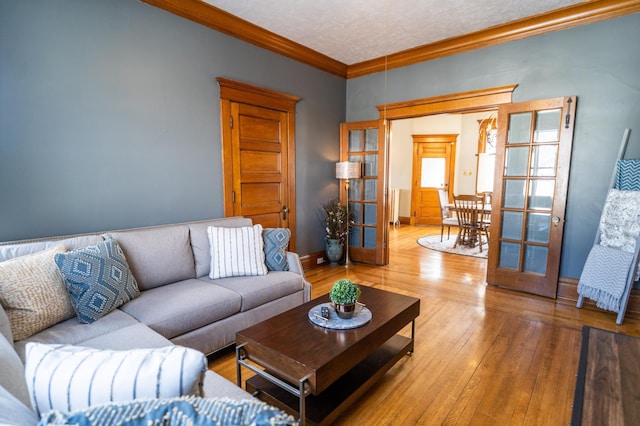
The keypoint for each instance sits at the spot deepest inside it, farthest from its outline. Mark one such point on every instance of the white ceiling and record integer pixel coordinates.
(352, 31)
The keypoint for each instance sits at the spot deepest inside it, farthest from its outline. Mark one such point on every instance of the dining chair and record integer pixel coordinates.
(468, 208)
(446, 218)
(484, 216)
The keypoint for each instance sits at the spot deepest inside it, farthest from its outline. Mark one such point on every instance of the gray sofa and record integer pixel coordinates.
(179, 304)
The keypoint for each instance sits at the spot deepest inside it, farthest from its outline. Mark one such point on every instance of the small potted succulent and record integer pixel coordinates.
(344, 295)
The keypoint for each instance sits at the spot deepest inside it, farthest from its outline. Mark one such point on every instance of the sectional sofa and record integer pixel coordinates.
(180, 300)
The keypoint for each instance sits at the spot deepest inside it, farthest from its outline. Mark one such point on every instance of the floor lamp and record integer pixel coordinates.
(347, 170)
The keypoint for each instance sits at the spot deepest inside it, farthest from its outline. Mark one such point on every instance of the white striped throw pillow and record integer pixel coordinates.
(66, 378)
(236, 252)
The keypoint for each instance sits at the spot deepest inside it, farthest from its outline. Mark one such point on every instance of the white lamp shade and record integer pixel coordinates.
(348, 170)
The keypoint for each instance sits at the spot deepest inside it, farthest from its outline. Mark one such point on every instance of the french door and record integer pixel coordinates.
(433, 166)
(532, 169)
(365, 142)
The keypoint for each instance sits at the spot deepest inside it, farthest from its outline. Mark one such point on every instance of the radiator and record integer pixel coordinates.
(394, 206)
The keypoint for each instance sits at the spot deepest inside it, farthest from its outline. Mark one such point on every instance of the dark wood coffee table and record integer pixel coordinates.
(316, 373)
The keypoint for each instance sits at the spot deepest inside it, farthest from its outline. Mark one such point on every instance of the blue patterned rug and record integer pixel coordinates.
(433, 242)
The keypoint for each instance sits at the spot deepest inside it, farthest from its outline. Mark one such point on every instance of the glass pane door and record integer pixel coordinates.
(432, 170)
(364, 142)
(534, 149)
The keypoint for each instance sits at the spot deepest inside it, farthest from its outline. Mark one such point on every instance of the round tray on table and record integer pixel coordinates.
(361, 316)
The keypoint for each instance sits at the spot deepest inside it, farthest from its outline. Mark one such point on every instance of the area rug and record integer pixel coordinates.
(433, 242)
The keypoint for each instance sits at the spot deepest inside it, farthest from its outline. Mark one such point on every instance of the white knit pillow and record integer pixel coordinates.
(66, 378)
(236, 252)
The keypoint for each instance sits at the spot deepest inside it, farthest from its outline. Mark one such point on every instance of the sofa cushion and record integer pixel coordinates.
(276, 241)
(158, 256)
(14, 411)
(63, 377)
(186, 305)
(257, 291)
(222, 333)
(73, 332)
(12, 372)
(200, 240)
(98, 279)
(135, 336)
(11, 250)
(236, 251)
(32, 292)
(5, 325)
(178, 412)
(216, 386)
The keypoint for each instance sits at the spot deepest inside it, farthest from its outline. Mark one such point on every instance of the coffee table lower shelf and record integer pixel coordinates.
(324, 408)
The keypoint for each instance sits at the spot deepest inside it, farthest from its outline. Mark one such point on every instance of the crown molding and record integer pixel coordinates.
(560, 19)
(224, 22)
(572, 16)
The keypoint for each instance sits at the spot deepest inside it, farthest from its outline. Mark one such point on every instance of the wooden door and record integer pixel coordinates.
(433, 166)
(528, 207)
(366, 142)
(259, 165)
(258, 155)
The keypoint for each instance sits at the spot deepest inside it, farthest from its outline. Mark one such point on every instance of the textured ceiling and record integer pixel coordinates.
(352, 31)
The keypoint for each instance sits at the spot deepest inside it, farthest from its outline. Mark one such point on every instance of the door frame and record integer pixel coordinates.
(236, 92)
(472, 101)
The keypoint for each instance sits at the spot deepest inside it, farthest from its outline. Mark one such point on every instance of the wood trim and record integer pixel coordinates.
(210, 16)
(254, 95)
(405, 220)
(310, 261)
(560, 19)
(482, 99)
(227, 157)
(572, 16)
(568, 295)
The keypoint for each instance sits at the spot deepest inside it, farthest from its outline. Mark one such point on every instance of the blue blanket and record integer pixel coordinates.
(628, 176)
(604, 276)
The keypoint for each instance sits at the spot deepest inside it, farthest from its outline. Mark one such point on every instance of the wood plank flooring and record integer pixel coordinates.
(484, 355)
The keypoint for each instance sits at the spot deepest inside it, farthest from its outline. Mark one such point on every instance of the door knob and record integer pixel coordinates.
(556, 220)
(285, 210)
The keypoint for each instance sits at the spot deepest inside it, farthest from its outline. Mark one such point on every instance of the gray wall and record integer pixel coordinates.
(109, 114)
(600, 63)
(109, 118)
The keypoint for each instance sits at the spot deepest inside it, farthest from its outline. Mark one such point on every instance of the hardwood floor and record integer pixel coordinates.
(484, 355)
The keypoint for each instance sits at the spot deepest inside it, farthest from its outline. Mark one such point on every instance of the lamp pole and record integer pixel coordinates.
(346, 259)
(347, 170)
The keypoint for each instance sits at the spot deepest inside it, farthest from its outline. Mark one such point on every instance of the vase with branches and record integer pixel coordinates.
(336, 224)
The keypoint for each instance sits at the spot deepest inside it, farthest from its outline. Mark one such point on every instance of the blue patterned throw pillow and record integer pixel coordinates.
(184, 411)
(98, 279)
(276, 241)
